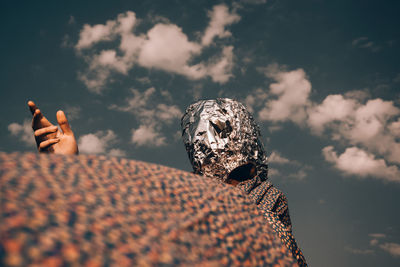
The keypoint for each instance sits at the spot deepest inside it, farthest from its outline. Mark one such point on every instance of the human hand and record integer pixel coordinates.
(49, 139)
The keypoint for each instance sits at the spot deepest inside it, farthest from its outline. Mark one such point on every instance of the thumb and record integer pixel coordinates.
(63, 122)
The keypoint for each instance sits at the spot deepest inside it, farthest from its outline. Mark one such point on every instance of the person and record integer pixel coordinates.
(222, 141)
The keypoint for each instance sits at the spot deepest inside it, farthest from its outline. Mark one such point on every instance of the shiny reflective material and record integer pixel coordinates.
(221, 135)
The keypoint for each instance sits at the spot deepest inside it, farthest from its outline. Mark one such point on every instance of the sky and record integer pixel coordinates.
(322, 79)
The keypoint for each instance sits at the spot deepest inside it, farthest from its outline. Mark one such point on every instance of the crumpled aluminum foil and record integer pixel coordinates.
(221, 135)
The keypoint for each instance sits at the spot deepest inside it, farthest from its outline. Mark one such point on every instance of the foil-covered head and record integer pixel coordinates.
(221, 135)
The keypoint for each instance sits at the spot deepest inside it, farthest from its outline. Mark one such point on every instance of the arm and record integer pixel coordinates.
(49, 139)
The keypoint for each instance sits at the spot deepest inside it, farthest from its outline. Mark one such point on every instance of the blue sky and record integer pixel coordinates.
(321, 78)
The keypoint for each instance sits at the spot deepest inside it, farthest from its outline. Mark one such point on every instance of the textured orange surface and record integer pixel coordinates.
(98, 211)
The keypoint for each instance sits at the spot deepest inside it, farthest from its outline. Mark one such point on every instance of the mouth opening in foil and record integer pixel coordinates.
(243, 172)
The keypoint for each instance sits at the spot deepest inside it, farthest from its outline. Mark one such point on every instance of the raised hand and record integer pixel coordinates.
(49, 138)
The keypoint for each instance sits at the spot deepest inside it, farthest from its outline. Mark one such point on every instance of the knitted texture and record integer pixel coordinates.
(100, 211)
(273, 204)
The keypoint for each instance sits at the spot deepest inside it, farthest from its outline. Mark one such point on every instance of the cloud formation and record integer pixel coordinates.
(23, 132)
(153, 111)
(101, 142)
(355, 161)
(380, 240)
(286, 168)
(277, 158)
(146, 135)
(220, 17)
(372, 125)
(289, 96)
(164, 47)
(392, 248)
(370, 128)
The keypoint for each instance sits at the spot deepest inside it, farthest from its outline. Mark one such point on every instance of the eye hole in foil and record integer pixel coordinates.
(222, 128)
(217, 126)
(227, 130)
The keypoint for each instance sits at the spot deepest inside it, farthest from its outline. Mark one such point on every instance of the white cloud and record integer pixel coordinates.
(116, 152)
(351, 119)
(220, 17)
(23, 131)
(291, 91)
(355, 161)
(392, 248)
(286, 168)
(334, 107)
(272, 172)
(147, 108)
(153, 111)
(146, 135)
(373, 242)
(95, 79)
(90, 35)
(109, 59)
(394, 128)
(167, 113)
(300, 175)
(276, 157)
(371, 118)
(169, 49)
(91, 144)
(138, 101)
(370, 125)
(255, 100)
(100, 142)
(164, 47)
(221, 70)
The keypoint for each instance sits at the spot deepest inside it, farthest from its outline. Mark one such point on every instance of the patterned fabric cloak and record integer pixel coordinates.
(99, 211)
(274, 206)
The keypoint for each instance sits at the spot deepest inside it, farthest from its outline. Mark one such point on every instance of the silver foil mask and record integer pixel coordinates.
(221, 135)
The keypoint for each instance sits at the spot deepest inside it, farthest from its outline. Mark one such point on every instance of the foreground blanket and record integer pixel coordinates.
(100, 211)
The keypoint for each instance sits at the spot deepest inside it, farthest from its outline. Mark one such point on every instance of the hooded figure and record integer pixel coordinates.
(223, 142)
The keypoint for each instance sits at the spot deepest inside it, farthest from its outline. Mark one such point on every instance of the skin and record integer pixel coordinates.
(49, 138)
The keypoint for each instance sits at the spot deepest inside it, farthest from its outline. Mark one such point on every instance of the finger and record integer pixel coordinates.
(46, 144)
(37, 116)
(39, 121)
(32, 106)
(46, 130)
(63, 122)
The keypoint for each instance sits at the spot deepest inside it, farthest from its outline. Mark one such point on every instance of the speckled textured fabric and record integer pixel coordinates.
(98, 211)
(273, 205)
